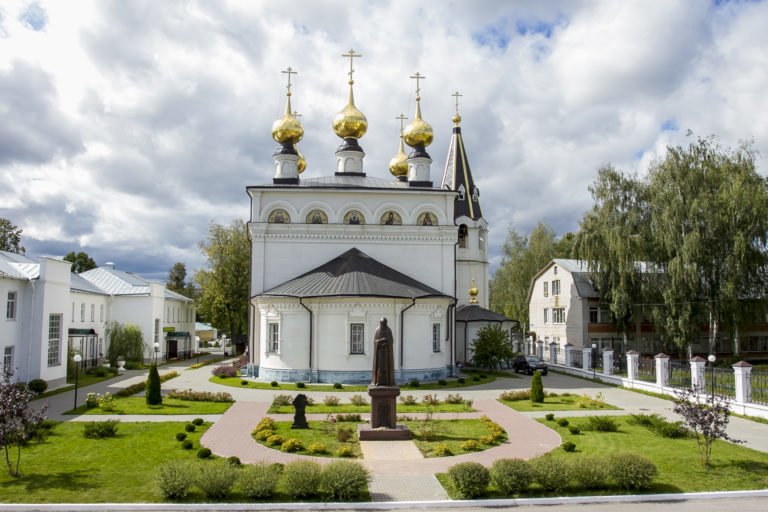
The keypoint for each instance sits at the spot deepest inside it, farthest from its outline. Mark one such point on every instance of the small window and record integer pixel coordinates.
(593, 315)
(73, 311)
(463, 236)
(82, 311)
(10, 308)
(555, 270)
(273, 332)
(93, 312)
(546, 289)
(8, 357)
(435, 337)
(556, 287)
(101, 313)
(546, 315)
(356, 338)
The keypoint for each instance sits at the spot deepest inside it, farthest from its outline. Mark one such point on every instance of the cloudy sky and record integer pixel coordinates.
(127, 126)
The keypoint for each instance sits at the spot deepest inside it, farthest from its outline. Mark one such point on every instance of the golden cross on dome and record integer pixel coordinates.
(402, 118)
(296, 113)
(289, 72)
(351, 54)
(418, 76)
(457, 96)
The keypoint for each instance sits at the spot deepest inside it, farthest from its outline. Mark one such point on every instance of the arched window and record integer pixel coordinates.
(463, 236)
(317, 217)
(354, 217)
(391, 218)
(279, 216)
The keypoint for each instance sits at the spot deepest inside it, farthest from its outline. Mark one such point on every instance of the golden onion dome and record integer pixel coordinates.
(287, 129)
(302, 163)
(350, 122)
(398, 166)
(456, 119)
(418, 132)
(473, 293)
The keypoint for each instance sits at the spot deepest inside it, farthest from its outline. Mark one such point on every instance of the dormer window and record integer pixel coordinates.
(462, 192)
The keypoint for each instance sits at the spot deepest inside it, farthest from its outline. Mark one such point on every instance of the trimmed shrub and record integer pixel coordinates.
(550, 416)
(263, 435)
(337, 385)
(259, 480)
(590, 471)
(475, 379)
(189, 427)
(40, 431)
(291, 445)
(100, 429)
(301, 478)
(601, 424)
(181, 436)
(568, 446)
(203, 453)
(631, 471)
(91, 400)
(454, 399)
(275, 440)
(562, 422)
(488, 440)
(551, 473)
(470, 479)
(461, 380)
(274, 384)
(243, 382)
(106, 401)
(225, 371)
(414, 383)
(587, 402)
(537, 388)
(344, 451)
(470, 445)
(350, 418)
(234, 461)
(408, 400)
(430, 400)
(358, 400)
(199, 396)
(153, 396)
(216, 479)
(282, 400)
(441, 450)
(442, 382)
(343, 434)
(300, 385)
(483, 376)
(511, 476)
(37, 386)
(660, 426)
(344, 480)
(174, 479)
(316, 448)
(574, 430)
(187, 444)
(265, 424)
(197, 421)
(515, 395)
(331, 401)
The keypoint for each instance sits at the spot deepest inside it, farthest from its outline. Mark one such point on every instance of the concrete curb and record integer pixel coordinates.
(394, 505)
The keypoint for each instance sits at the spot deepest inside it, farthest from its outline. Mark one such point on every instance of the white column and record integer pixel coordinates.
(741, 375)
(586, 358)
(697, 373)
(608, 362)
(632, 360)
(662, 369)
(568, 355)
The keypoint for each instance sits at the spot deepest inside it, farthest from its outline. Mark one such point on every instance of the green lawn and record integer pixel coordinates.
(733, 468)
(138, 405)
(82, 381)
(349, 408)
(557, 403)
(469, 380)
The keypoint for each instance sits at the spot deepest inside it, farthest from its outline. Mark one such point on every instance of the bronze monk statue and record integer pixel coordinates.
(383, 356)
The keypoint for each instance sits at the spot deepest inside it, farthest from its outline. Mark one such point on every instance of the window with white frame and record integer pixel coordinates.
(556, 287)
(8, 357)
(73, 311)
(93, 312)
(101, 312)
(546, 289)
(546, 315)
(554, 270)
(54, 340)
(273, 334)
(436, 337)
(357, 338)
(10, 307)
(82, 311)
(558, 315)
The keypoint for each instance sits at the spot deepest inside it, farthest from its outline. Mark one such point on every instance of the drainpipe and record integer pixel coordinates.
(310, 336)
(449, 337)
(402, 328)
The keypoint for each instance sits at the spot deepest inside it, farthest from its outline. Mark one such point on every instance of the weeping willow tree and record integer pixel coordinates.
(125, 340)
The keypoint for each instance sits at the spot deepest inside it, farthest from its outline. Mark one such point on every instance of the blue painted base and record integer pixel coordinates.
(344, 377)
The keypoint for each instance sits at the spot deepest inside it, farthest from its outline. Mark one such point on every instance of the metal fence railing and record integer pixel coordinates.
(577, 359)
(679, 374)
(720, 381)
(759, 386)
(646, 370)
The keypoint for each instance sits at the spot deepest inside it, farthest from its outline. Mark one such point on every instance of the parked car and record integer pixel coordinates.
(529, 364)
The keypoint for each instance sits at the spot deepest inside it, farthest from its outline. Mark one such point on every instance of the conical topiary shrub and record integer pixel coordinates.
(153, 387)
(537, 388)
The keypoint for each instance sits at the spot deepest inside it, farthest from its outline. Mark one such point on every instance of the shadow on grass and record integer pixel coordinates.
(34, 482)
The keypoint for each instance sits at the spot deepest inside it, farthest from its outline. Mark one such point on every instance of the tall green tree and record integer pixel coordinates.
(80, 261)
(612, 241)
(10, 237)
(177, 280)
(125, 341)
(524, 256)
(223, 285)
(491, 347)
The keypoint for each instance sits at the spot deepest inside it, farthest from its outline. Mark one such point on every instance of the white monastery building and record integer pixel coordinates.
(332, 255)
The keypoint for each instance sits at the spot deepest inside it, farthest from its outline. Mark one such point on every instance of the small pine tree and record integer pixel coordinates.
(153, 387)
(537, 388)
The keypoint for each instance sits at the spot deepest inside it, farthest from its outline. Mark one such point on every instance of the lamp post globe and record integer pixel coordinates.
(711, 358)
(77, 358)
(157, 349)
(594, 360)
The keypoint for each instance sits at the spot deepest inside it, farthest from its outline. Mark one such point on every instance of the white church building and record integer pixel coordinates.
(332, 255)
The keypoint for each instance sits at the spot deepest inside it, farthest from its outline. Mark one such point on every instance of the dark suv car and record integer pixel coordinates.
(530, 364)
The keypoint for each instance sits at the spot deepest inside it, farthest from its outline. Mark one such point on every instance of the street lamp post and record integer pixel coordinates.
(711, 358)
(594, 360)
(77, 358)
(157, 349)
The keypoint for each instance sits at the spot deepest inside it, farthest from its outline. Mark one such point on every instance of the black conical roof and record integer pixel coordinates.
(458, 177)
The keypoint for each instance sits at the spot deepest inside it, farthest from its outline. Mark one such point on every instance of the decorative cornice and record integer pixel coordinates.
(372, 232)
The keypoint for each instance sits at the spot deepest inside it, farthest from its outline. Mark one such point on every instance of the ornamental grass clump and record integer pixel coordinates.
(258, 481)
(301, 478)
(511, 476)
(601, 424)
(358, 400)
(344, 480)
(631, 470)
(174, 479)
(100, 429)
(470, 479)
(551, 473)
(216, 479)
(590, 471)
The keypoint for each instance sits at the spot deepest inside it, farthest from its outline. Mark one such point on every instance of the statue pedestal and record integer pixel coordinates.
(383, 425)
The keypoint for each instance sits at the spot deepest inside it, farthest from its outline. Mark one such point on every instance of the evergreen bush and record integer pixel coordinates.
(562, 422)
(174, 479)
(537, 388)
(441, 450)
(470, 479)
(153, 395)
(216, 479)
(189, 427)
(181, 436)
(259, 481)
(234, 461)
(301, 478)
(37, 386)
(343, 434)
(461, 380)
(316, 448)
(187, 444)
(100, 429)
(337, 385)
(511, 476)
(203, 453)
(574, 430)
(197, 421)
(601, 424)
(274, 384)
(344, 480)
(470, 445)
(550, 416)
(568, 446)
(300, 385)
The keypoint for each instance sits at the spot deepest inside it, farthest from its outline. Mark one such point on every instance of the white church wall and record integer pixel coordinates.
(49, 329)
(14, 341)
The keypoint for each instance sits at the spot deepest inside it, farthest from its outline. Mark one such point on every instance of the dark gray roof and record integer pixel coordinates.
(475, 313)
(457, 176)
(353, 274)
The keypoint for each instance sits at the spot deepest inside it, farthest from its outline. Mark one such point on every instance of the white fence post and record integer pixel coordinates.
(540, 349)
(608, 362)
(662, 369)
(743, 383)
(568, 355)
(632, 359)
(586, 358)
(553, 352)
(697, 373)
